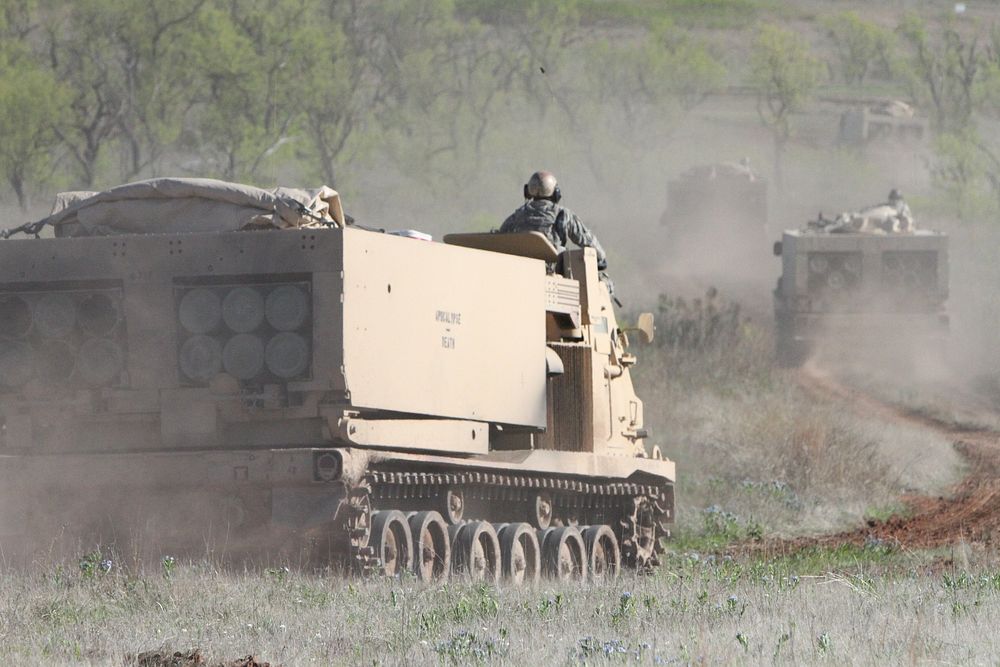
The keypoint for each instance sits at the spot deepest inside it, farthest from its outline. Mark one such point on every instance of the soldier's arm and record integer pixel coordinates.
(509, 224)
(583, 237)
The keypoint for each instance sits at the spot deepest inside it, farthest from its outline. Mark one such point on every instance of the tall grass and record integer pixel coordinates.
(883, 608)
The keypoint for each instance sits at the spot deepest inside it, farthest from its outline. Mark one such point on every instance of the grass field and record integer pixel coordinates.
(861, 606)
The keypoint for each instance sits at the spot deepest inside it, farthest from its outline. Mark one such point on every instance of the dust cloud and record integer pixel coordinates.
(616, 180)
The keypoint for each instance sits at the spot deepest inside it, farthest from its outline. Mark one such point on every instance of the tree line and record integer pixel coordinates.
(97, 92)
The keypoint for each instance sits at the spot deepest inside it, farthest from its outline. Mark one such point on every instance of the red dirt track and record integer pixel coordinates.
(969, 513)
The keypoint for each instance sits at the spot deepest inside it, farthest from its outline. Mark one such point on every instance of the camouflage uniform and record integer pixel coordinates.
(902, 209)
(559, 224)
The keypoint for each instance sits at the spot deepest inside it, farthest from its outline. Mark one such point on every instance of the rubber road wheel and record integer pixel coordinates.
(431, 546)
(604, 556)
(520, 554)
(392, 541)
(564, 555)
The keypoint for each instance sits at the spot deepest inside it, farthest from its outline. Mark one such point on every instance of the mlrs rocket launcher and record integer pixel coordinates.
(191, 363)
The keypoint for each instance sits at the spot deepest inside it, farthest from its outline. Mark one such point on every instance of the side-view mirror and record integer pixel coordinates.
(646, 327)
(777, 249)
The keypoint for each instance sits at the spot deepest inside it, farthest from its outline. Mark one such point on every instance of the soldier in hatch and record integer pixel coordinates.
(542, 213)
(902, 209)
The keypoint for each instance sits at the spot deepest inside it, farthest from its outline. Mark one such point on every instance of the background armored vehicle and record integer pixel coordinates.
(308, 386)
(891, 120)
(859, 290)
(716, 218)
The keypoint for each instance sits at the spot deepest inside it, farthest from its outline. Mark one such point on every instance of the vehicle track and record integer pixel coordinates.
(969, 513)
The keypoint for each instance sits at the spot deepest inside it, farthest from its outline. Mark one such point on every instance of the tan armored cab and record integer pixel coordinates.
(273, 374)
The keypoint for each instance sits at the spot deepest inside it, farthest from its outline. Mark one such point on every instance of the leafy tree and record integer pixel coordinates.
(159, 78)
(668, 68)
(942, 70)
(81, 51)
(339, 99)
(30, 104)
(956, 75)
(785, 73)
(257, 57)
(863, 47)
(967, 159)
(638, 88)
(130, 68)
(540, 46)
(965, 171)
(18, 19)
(392, 76)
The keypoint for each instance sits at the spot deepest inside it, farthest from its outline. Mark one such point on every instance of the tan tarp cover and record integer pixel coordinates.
(170, 205)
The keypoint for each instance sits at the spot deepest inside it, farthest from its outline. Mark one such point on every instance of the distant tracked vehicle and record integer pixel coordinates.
(717, 215)
(856, 291)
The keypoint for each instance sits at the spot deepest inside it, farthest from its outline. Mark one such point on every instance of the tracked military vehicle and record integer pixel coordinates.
(853, 290)
(888, 121)
(717, 214)
(191, 363)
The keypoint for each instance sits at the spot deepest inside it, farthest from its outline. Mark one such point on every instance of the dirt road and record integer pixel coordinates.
(969, 513)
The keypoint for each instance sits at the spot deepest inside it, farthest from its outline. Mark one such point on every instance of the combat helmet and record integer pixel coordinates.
(543, 185)
(895, 196)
